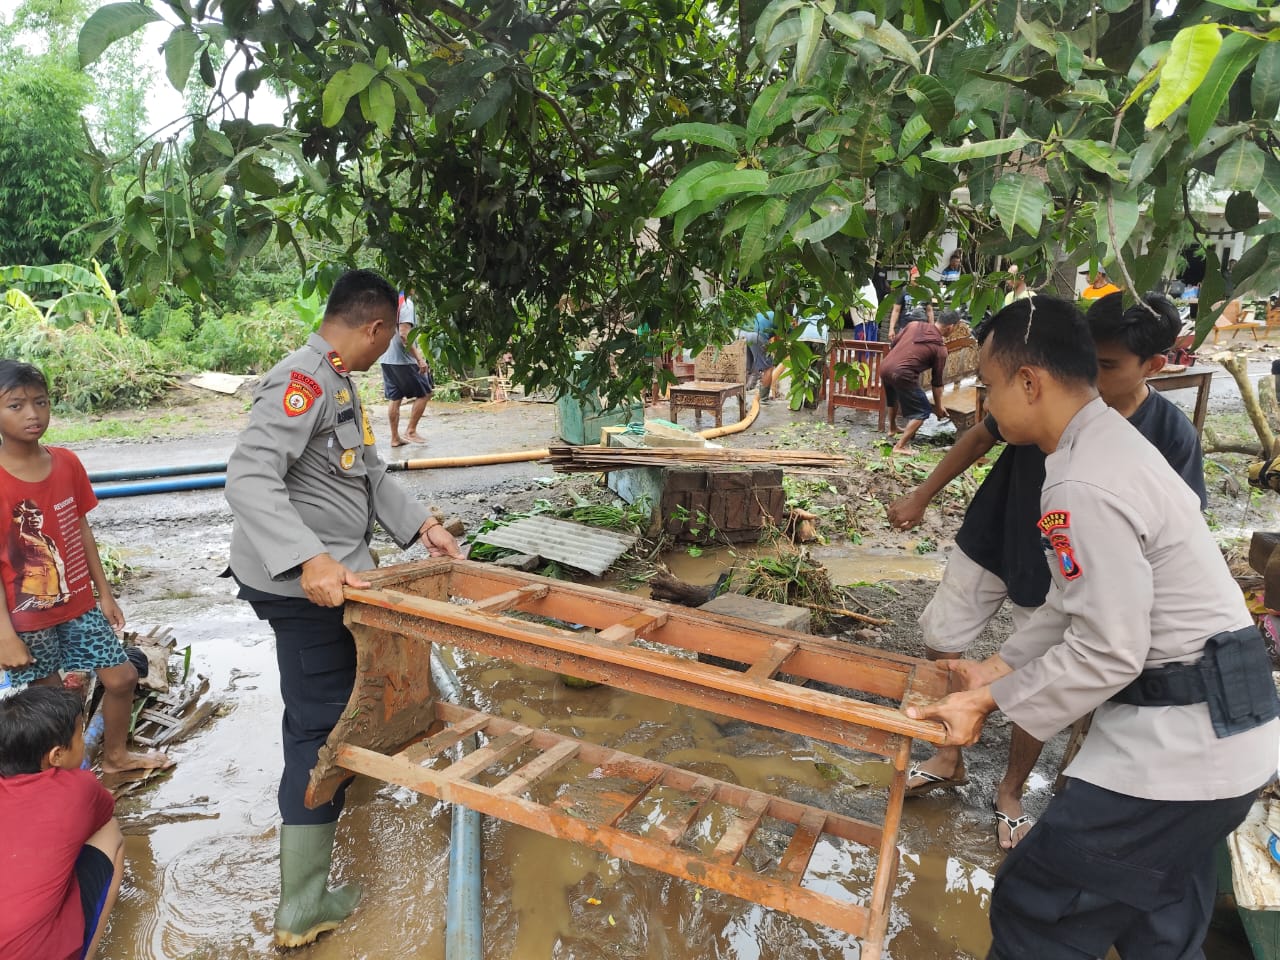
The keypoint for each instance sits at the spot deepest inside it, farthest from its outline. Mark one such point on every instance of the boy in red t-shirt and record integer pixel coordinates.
(50, 567)
(61, 851)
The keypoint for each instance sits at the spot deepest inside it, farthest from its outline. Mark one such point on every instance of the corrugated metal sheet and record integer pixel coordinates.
(573, 544)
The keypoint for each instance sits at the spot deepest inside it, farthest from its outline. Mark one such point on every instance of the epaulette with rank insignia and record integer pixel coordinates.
(335, 361)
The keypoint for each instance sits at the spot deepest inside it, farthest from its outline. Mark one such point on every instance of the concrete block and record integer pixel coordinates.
(781, 615)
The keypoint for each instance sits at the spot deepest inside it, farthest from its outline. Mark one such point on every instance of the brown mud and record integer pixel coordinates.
(204, 886)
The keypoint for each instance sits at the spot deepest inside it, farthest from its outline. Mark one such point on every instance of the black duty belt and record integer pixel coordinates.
(1233, 678)
(1173, 685)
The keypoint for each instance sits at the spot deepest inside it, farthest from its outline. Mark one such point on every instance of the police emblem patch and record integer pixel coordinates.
(348, 459)
(335, 361)
(300, 394)
(1056, 527)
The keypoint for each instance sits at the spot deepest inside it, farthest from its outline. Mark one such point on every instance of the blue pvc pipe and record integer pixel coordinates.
(146, 473)
(463, 929)
(158, 486)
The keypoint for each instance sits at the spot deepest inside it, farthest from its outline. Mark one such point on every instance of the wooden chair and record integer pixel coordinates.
(1236, 317)
(868, 395)
(719, 374)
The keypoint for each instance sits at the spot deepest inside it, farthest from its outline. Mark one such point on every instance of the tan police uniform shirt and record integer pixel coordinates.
(306, 478)
(1137, 582)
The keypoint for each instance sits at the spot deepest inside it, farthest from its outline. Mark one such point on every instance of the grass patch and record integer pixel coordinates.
(143, 428)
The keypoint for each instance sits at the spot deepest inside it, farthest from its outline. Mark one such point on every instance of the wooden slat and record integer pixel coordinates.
(737, 881)
(518, 781)
(771, 664)
(626, 632)
(744, 824)
(796, 860)
(510, 599)
(604, 806)
(686, 781)
(651, 662)
(493, 751)
(434, 746)
(674, 825)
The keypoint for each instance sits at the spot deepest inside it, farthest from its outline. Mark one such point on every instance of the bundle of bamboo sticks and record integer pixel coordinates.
(594, 459)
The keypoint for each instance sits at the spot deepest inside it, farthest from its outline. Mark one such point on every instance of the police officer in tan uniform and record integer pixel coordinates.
(1144, 625)
(305, 485)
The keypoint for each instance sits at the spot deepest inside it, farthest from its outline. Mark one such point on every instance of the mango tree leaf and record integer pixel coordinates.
(1070, 59)
(1266, 82)
(849, 24)
(679, 192)
(1190, 56)
(913, 132)
(1020, 200)
(766, 113)
(934, 101)
(891, 40)
(1126, 214)
(487, 106)
(110, 23)
(756, 232)
(180, 55)
(342, 86)
(1151, 151)
(729, 183)
(1038, 35)
(774, 12)
(810, 40)
(1213, 293)
(789, 183)
(1240, 166)
(982, 148)
(1237, 52)
(1098, 156)
(1268, 188)
(836, 215)
(707, 134)
(382, 105)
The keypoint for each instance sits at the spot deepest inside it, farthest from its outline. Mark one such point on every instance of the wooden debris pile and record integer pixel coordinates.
(568, 459)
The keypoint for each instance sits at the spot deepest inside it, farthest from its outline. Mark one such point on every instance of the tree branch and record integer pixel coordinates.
(1238, 367)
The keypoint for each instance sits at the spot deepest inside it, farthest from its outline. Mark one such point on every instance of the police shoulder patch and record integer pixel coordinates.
(1056, 526)
(301, 393)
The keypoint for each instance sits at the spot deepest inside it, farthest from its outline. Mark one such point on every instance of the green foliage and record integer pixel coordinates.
(510, 165)
(45, 172)
(250, 342)
(88, 367)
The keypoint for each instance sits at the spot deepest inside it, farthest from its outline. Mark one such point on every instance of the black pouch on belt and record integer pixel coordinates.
(1237, 681)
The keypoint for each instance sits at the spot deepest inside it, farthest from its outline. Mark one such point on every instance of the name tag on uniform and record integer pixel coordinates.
(347, 415)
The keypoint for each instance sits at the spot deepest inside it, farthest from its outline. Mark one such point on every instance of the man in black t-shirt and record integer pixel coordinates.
(999, 554)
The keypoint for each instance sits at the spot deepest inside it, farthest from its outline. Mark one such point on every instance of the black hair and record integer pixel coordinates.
(356, 293)
(948, 318)
(14, 374)
(1145, 329)
(34, 721)
(1043, 332)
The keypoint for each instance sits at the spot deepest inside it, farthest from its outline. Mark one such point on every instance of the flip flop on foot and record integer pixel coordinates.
(1007, 828)
(151, 760)
(928, 782)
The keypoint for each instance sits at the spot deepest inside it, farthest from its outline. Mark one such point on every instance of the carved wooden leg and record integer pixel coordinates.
(391, 704)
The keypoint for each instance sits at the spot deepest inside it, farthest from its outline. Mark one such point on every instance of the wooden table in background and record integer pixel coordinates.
(1200, 378)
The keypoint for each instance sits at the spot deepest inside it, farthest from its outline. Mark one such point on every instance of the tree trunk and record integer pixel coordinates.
(1238, 367)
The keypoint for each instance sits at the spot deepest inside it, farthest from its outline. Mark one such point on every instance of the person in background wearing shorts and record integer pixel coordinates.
(50, 567)
(919, 347)
(405, 376)
(61, 851)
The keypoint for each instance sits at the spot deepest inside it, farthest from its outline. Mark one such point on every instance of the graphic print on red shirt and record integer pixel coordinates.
(43, 564)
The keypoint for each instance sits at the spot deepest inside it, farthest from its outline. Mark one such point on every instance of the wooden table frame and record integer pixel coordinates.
(708, 395)
(392, 710)
(1201, 378)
